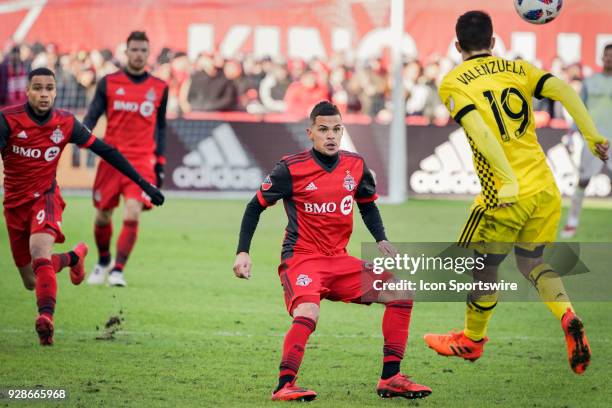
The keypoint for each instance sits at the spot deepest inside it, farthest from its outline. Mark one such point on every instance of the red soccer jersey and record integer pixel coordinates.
(31, 149)
(132, 110)
(318, 200)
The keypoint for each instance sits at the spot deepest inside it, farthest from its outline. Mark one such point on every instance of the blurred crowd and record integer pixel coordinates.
(255, 85)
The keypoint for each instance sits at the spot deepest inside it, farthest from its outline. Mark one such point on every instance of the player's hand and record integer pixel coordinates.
(156, 196)
(386, 248)
(242, 265)
(507, 195)
(159, 175)
(601, 150)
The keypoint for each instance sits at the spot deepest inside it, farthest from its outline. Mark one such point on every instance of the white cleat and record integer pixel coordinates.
(98, 275)
(568, 232)
(116, 279)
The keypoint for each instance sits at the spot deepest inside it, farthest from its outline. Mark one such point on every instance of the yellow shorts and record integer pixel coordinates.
(530, 222)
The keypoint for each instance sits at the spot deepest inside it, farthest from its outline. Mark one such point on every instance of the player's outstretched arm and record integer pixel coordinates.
(116, 159)
(97, 107)
(250, 219)
(489, 147)
(556, 89)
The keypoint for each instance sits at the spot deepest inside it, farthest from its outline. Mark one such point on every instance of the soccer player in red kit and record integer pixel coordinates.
(32, 138)
(318, 187)
(135, 105)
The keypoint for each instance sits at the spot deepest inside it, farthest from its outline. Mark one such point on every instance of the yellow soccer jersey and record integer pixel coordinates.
(502, 92)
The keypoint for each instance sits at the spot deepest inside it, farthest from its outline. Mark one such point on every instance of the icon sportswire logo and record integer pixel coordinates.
(218, 161)
(450, 170)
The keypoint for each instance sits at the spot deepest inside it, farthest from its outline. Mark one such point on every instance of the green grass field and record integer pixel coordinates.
(193, 335)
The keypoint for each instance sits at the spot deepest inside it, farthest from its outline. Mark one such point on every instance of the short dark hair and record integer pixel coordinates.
(474, 31)
(40, 71)
(323, 108)
(137, 36)
(608, 47)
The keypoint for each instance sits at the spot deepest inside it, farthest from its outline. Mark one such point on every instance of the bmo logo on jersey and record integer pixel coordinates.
(27, 152)
(50, 154)
(345, 207)
(146, 108)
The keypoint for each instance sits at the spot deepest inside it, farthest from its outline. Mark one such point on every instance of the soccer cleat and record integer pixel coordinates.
(116, 279)
(98, 275)
(456, 344)
(400, 386)
(44, 328)
(77, 272)
(568, 232)
(291, 392)
(578, 349)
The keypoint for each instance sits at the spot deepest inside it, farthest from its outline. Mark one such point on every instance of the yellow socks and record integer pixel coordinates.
(477, 316)
(550, 287)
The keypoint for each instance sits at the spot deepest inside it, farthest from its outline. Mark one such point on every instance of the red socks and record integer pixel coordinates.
(60, 261)
(395, 324)
(46, 286)
(295, 344)
(103, 234)
(125, 243)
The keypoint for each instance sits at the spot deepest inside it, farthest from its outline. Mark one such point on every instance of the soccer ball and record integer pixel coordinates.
(538, 11)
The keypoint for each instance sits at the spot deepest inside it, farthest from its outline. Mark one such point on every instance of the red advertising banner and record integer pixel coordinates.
(295, 28)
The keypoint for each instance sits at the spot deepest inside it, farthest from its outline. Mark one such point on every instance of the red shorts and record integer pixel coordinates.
(310, 278)
(42, 215)
(110, 185)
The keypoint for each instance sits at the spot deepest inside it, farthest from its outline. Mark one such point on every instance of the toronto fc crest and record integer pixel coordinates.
(57, 135)
(349, 181)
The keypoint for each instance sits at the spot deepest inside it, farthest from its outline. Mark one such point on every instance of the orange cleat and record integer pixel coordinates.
(77, 272)
(456, 344)
(44, 328)
(400, 386)
(578, 349)
(291, 392)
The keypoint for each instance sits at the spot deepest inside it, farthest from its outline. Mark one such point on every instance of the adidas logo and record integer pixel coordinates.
(449, 170)
(22, 135)
(217, 162)
(120, 91)
(311, 187)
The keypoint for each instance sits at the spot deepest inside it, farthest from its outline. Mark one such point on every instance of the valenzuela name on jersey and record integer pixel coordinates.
(490, 68)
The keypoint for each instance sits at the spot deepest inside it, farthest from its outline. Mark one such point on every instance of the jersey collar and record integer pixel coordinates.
(317, 159)
(38, 119)
(479, 56)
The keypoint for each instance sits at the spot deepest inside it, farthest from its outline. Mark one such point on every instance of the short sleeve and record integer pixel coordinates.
(81, 136)
(366, 190)
(456, 101)
(536, 78)
(276, 185)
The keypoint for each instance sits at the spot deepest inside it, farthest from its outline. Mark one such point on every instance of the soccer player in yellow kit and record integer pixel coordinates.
(519, 205)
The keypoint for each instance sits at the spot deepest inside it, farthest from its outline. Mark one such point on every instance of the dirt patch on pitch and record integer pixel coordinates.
(111, 327)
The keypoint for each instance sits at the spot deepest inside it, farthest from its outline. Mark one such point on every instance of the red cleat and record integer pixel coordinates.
(291, 392)
(456, 344)
(44, 328)
(77, 272)
(578, 349)
(400, 386)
